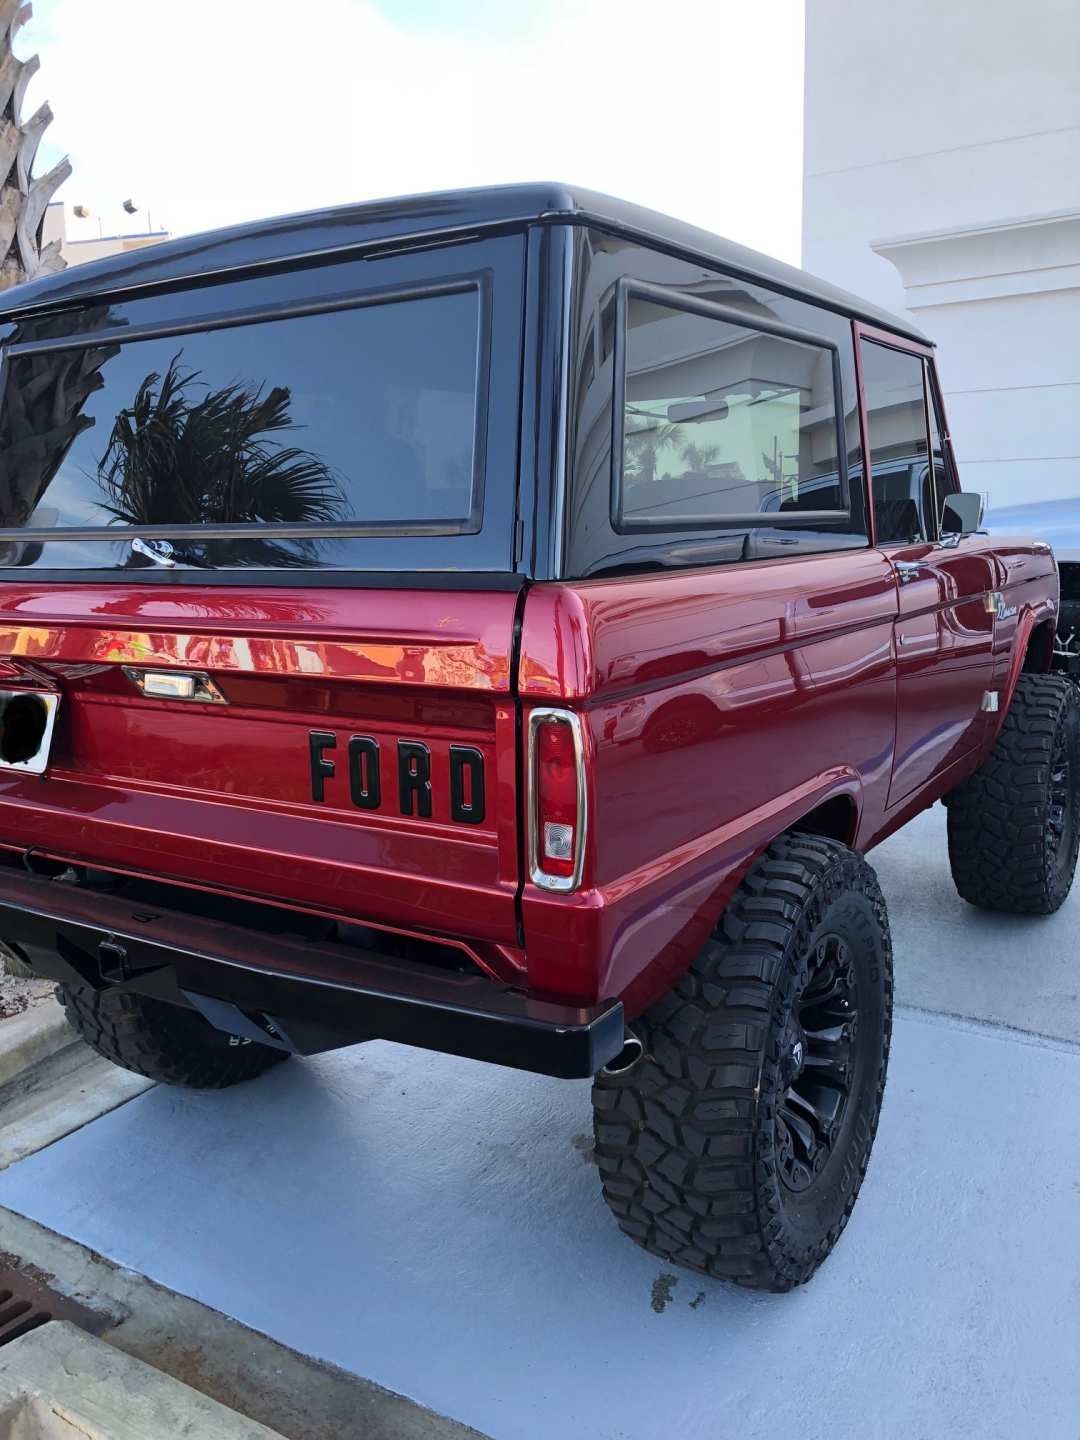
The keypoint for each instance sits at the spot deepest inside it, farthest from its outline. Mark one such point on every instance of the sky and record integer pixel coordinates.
(210, 112)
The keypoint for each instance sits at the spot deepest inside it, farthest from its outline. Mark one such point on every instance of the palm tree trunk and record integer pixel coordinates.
(23, 196)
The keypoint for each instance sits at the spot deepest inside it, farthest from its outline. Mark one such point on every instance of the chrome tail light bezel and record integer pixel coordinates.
(560, 884)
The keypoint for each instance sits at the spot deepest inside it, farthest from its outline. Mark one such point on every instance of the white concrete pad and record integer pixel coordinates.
(437, 1226)
(58, 1383)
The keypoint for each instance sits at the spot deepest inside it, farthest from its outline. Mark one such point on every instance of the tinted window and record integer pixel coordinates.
(721, 422)
(902, 483)
(360, 417)
(806, 509)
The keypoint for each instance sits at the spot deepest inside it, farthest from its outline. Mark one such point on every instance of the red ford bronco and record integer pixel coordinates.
(501, 622)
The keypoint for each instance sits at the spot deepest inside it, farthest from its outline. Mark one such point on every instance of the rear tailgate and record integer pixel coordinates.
(260, 791)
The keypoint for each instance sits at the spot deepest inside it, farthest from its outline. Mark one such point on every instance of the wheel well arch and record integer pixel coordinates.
(835, 819)
(1039, 652)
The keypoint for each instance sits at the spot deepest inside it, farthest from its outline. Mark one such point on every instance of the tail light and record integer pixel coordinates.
(556, 799)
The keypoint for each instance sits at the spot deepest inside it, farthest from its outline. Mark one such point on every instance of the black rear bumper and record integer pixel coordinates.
(300, 996)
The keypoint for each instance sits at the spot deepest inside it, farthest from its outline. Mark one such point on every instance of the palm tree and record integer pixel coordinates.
(644, 437)
(698, 456)
(176, 456)
(41, 414)
(24, 197)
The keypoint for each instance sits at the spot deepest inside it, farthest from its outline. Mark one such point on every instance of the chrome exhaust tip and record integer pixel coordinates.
(628, 1058)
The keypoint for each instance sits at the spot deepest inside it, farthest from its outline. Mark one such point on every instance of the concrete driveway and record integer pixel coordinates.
(436, 1225)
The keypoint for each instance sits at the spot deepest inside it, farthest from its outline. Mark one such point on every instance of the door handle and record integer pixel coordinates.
(906, 571)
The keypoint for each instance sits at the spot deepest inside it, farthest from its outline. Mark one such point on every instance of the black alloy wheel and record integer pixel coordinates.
(816, 1065)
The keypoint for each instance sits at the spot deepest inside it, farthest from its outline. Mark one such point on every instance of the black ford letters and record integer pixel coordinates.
(414, 791)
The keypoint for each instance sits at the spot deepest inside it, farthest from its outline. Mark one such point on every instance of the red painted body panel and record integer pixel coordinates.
(725, 705)
(454, 640)
(221, 795)
(721, 706)
(944, 640)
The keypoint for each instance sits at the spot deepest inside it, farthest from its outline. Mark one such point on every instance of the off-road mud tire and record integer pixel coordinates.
(1014, 826)
(690, 1151)
(163, 1042)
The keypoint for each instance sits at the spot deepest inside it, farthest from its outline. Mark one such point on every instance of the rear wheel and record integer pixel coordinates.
(737, 1144)
(163, 1042)
(1014, 826)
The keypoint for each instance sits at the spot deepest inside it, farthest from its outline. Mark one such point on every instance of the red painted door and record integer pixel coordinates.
(944, 658)
(945, 624)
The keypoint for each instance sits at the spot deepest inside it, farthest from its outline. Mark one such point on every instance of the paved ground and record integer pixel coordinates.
(1010, 970)
(436, 1226)
(244, 1370)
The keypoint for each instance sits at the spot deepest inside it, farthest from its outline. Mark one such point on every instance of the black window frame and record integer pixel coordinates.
(625, 289)
(482, 551)
(935, 416)
(480, 283)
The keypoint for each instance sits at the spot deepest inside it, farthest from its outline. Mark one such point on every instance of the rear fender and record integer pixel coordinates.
(827, 804)
(649, 925)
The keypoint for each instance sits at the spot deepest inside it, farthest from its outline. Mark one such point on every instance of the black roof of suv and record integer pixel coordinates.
(375, 224)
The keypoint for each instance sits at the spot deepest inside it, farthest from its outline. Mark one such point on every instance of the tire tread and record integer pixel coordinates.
(163, 1042)
(997, 817)
(684, 1143)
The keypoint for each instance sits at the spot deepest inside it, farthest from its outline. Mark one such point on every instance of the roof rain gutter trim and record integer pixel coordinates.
(388, 244)
(596, 221)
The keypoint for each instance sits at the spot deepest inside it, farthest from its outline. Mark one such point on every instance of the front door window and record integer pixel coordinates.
(901, 478)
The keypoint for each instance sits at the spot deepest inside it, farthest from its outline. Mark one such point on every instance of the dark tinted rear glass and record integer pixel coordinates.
(360, 417)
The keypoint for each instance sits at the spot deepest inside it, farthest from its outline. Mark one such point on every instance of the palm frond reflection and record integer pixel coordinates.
(185, 454)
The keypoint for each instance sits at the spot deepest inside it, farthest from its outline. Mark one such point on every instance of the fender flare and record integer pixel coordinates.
(1030, 618)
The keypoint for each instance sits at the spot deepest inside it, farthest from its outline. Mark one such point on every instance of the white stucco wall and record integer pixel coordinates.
(942, 177)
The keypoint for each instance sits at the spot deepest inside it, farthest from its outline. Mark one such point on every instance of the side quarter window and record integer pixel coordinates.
(902, 480)
(724, 425)
(714, 420)
(726, 442)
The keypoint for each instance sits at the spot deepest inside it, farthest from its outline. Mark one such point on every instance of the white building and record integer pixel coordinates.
(942, 177)
(82, 240)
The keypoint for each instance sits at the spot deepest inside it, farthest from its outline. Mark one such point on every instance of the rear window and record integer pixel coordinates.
(238, 444)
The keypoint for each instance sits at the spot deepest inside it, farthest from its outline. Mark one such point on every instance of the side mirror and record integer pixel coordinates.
(962, 514)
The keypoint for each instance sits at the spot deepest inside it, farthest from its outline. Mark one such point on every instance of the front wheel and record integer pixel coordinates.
(738, 1143)
(1014, 826)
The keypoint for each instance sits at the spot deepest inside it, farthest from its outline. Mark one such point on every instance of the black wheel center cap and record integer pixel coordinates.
(793, 1054)
(816, 1066)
